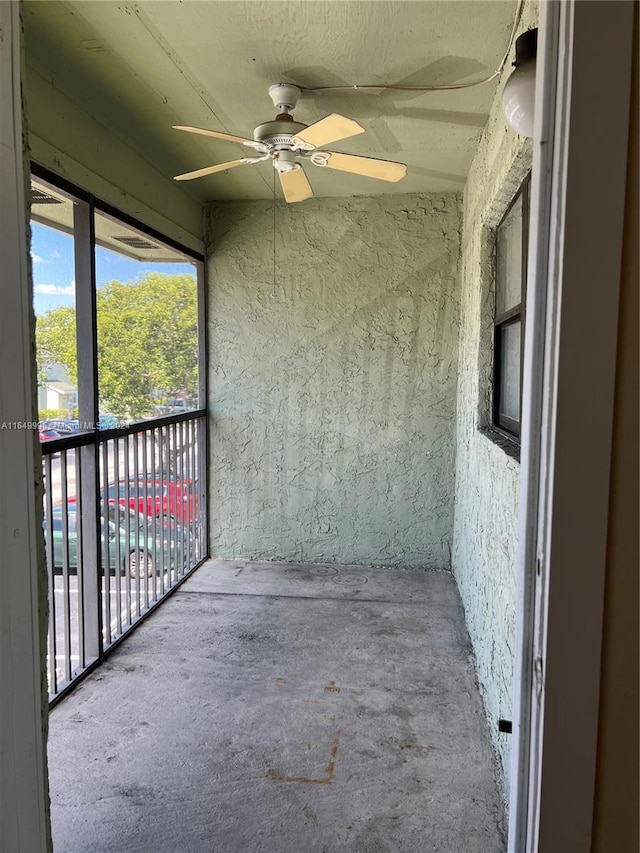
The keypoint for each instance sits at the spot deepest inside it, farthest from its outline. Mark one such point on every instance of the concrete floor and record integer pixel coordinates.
(282, 708)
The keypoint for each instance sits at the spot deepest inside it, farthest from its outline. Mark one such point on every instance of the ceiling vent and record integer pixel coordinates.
(40, 197)
(136, 242)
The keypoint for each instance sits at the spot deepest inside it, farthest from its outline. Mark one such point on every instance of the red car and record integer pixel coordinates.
(46, 434)
(175, 498)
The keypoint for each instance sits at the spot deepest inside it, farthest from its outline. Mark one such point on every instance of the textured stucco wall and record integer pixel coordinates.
(332, 394)
(487, 478)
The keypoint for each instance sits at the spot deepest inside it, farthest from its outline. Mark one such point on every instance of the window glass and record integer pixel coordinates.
(510, 294)
(147, 325)
(54, 303)
(509, 399)
(509, 260)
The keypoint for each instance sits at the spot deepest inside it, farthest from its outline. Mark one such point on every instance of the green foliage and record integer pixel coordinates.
(52, 414)
(56, 341)
(147, 342)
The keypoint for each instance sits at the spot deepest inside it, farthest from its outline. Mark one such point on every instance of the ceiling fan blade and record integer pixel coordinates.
(221, 167)
(328, 130)
(383, 170)
(215, 133)
(295, 185)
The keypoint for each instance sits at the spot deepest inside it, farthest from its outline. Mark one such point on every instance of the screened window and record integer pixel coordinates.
(120, 353)
(147, 324)
(510, 288)
(54, 221)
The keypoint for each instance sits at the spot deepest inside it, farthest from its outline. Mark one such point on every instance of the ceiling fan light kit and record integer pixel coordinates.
(288, 144)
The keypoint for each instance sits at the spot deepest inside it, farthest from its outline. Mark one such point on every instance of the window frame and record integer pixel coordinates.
(90, 447)
(88, 205)
(506, 426)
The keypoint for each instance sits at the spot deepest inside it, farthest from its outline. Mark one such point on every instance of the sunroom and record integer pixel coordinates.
(294, 450)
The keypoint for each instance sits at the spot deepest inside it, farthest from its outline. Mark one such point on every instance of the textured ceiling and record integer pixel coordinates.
(142, 67)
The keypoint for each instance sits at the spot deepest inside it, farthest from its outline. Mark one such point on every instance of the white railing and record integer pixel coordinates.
(125, 520)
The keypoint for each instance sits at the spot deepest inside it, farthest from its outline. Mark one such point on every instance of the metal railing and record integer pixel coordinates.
(125, 515)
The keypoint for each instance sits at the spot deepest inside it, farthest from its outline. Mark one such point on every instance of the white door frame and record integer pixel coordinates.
(24, 813)
(578, 194)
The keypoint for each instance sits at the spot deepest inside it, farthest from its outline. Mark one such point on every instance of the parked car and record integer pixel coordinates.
(171, 539)
(64, 427)
(107, 421)
(47, 434)
(142, 546)
(152, 496)
(177, 406)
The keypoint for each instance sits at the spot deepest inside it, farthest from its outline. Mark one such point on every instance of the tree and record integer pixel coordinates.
(56, 342)
(147, 342)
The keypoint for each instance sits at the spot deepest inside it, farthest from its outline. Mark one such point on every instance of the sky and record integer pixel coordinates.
(54, 274)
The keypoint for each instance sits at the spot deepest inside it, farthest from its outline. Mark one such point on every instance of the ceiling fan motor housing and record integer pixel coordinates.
(278, 135)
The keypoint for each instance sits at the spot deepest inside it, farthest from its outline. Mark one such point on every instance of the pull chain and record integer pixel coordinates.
(273, 292)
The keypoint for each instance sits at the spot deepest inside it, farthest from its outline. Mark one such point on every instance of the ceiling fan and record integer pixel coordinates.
(285, 142)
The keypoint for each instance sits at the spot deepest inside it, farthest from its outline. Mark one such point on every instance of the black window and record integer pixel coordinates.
(511, 282)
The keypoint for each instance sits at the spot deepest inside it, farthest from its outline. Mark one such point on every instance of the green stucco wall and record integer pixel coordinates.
(487, 485)
(332, 392)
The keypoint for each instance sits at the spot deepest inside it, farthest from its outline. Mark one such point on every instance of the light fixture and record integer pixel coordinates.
(519, 93)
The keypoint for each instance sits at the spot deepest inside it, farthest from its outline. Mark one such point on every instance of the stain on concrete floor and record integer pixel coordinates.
(277, 711)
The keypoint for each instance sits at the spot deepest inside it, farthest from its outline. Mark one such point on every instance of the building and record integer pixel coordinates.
(57, 393)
